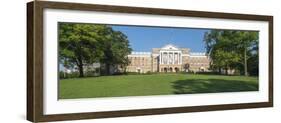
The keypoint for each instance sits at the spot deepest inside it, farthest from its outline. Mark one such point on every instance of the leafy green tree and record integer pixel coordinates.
(116, 50)
(79, 44)
(248, 45)
(220, 47)
(85, 44)
(231, 49)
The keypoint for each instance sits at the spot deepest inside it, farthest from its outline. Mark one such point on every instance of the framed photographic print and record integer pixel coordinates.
(96, 61)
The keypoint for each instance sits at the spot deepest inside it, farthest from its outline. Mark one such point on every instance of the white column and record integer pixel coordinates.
(169, 58)
(173, 57)
(163, 58)
(176, 58)
(166, 57)
(180, 58)
(160, 57)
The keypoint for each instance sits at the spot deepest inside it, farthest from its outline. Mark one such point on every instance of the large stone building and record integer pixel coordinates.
(168, 59)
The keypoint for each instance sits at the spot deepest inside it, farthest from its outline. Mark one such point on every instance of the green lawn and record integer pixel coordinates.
(156, 84)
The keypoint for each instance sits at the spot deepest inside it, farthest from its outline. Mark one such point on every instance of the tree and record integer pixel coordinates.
(225, 59)
(116, 50)
(85, 44)
(121, 49)
(79, 44)
(220, 48)
(230, 49)
(248, 43)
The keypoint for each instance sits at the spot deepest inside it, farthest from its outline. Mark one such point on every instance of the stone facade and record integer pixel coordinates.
(168, 59)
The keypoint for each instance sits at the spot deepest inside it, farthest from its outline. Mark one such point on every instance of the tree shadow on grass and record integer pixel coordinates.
(191, 86)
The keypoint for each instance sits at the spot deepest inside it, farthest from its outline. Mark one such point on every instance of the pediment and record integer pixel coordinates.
(169, 47)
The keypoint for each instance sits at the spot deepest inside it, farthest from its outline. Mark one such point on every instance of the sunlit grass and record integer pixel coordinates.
(155, 84)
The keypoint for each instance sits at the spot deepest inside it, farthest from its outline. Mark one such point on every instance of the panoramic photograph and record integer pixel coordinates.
(102, 60)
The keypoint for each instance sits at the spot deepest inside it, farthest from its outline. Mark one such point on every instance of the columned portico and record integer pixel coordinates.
(170, 59)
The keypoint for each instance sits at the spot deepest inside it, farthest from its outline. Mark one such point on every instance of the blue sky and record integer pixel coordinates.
(145, 38)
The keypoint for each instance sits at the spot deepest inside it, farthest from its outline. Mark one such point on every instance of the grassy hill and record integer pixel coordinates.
(155, 84)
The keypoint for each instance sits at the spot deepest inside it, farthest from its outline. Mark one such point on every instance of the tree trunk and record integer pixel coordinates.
(107, 69)
(81, 71)
(226, 71)
(220, 70)
(79, 63)
(245, 62)
(125, 69)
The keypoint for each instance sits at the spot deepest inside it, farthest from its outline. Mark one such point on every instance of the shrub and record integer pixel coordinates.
(63, 75)
(208, 73)
(132, 73)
